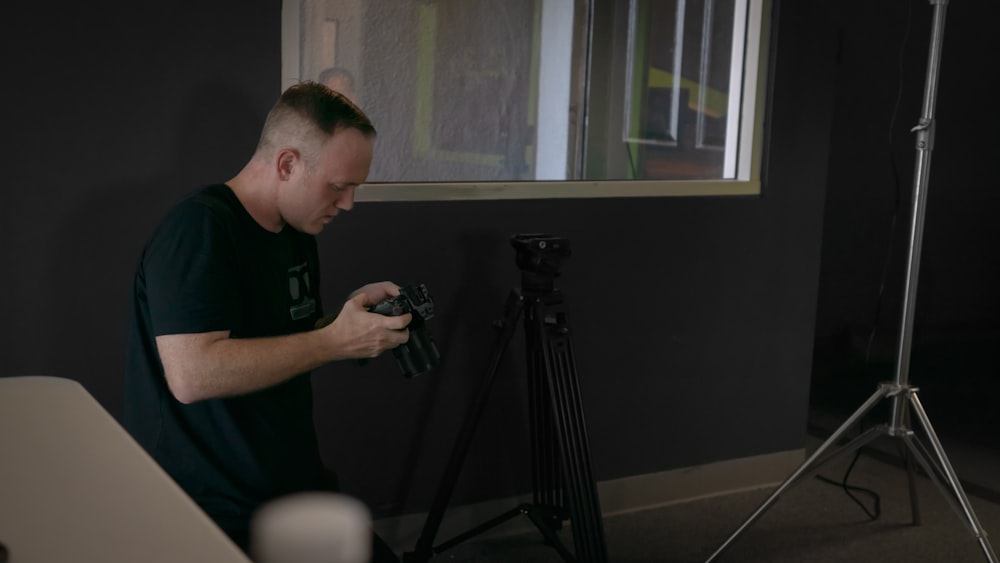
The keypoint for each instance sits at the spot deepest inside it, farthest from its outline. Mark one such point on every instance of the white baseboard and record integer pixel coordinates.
(617, 496)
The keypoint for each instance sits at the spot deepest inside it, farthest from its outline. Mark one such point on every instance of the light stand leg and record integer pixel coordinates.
(811, 465)
(956, 487)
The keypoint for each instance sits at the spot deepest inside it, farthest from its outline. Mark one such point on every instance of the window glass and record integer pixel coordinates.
(540, 91)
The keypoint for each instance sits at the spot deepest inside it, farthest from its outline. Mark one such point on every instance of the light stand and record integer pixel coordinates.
(899, 391)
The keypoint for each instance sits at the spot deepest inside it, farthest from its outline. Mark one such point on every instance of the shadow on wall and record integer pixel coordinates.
(94, 255)
(468, 339)
(414, 423)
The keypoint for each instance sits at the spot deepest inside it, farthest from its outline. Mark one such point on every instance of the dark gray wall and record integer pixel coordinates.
(882, 59)
(884, 52)
(693, 318)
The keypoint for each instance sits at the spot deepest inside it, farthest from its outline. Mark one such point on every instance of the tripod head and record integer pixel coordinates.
(539, 256)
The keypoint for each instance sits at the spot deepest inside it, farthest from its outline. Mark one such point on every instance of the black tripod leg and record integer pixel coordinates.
(472, 532)
(544, 525)
(570, 428)
(545, 452)
(424, 549)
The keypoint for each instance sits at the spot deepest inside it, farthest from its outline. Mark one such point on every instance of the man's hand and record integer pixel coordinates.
(375, 292)
(360, 333)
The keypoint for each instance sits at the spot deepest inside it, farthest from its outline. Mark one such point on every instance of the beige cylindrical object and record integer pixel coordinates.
(312, 527)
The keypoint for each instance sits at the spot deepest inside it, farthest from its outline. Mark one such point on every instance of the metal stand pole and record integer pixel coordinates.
(903, 396)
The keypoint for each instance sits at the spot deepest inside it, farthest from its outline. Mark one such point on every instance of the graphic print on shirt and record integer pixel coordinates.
(300, 292)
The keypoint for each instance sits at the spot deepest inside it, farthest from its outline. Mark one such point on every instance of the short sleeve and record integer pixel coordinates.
(190, 273)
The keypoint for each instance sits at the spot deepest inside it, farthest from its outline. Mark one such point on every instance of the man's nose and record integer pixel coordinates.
(346, 201)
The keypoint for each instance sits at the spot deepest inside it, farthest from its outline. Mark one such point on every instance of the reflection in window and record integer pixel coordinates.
(481, 91)
(677, 88)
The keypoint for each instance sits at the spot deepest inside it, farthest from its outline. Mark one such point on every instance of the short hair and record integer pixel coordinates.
(307, 114)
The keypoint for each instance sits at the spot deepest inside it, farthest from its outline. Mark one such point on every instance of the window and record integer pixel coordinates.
(478, 99)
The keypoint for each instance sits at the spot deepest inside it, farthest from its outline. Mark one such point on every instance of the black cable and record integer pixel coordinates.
(850, 489)
(896, 185)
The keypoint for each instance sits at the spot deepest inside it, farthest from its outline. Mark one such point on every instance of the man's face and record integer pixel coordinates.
(325, 187)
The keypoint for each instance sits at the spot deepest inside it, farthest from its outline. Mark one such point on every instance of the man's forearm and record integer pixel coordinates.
(212, 365)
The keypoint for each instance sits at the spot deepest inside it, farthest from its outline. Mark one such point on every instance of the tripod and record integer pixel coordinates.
(563, 485)
(902, 395)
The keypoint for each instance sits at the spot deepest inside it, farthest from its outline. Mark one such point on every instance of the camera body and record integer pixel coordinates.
(420, 354)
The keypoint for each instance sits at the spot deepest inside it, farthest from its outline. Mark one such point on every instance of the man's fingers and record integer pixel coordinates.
(399, 337)
(377, 291)
(399, 322)
(362, 300)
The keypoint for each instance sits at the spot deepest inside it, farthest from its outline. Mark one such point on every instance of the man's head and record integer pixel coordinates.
(320, 145)
(307, 114)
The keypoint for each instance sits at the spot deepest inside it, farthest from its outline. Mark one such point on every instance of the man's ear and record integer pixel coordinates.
(288, 160)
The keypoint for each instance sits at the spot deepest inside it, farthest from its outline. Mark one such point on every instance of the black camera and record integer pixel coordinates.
(420, 354)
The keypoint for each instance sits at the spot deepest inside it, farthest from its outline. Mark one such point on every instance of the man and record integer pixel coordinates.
(225, 304)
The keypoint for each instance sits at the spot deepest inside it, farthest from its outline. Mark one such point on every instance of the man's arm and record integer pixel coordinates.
(212, 365)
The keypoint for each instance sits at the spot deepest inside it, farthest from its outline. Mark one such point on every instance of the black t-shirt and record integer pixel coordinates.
(208, 267)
